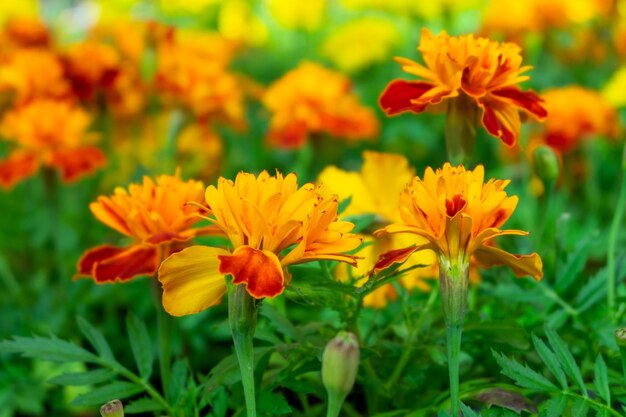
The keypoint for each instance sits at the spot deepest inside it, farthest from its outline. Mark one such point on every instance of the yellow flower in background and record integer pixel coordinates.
(311, 99)
(21, 8)
(458, 215)
(237, 21)
(306, 15)
(346, 49)
(271, 223)
(614, 89)
(376, 189)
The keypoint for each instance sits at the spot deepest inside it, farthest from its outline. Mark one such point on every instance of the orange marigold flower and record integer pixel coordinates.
(155, 215)
(577, 113)
(475, 72)
(91, 66)
(458, 214)
(312, 100)
(271, 223)
(192, 72)
(26, 32)
(50, 133)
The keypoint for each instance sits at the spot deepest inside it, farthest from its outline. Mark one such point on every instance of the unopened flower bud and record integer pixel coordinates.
(620, 337)
(546, 163)
(112, 409)
(340, 364)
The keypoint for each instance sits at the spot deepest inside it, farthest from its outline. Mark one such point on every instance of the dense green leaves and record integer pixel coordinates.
(105, 393)
(140, 344)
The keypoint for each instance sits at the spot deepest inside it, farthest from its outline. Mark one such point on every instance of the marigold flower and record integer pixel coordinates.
(50, 133)
(22, 31)
(306, 15)
(476, 72)
(155, 215)
(311, 100)
(459, 215)
(271, 223)
(576, 113)
(91, 66)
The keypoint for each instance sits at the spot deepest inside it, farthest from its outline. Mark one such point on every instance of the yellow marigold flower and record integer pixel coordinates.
(50, 133)
(271, 223)
(476, 73)
(614, 89)
(574, 114)
(237, 22)
(191, 71)
(306, 15)
(155, 215)
(21, 74)
(313, 100)
(459, 215)
(346, 49)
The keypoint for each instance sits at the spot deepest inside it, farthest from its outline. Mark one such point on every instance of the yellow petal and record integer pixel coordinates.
(521, 265)
(191, 280)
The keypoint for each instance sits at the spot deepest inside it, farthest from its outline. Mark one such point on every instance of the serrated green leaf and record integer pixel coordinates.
(523, 375)
(272, 404)
(83, 378)
(554, 407)
(96, 339)
(178, 379)
(576, 261)
(47, 348)
(580, 408)
(468, 412)
(565, 358)
(601, 380)
(105, 393)
(593, 291)
(140, 344)
(549, 358)
(227, 370)
(143, 405)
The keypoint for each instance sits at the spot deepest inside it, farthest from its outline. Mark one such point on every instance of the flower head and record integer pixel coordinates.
(50, 133)
(458, 215)
(312, 100)
(91, 66)
(23, 31)
(155, 215)
(271, 223)
(483, 73)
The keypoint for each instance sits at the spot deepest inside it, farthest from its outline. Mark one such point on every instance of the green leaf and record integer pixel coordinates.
(593, 291)
(601, 380)
(468, 412)
(576, 261)
(580, 408)
(343, 205)
(272, 404)
(550, 360)
(360, 221)
(83, 378)
(280, 322)
(523, 375)
(554, 407)
(565, 358)
(143, 405)
(140, 344)
(227, 370)
(178, 379)
(49, 349)
(103, 394)
(96, 339)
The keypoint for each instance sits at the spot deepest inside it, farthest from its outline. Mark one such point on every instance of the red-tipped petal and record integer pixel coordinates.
(528, 101)
(109, 263)
(398, 95)
(259, 270)
(502, 122)
(16, 168)
(75, 163)
(395, 256)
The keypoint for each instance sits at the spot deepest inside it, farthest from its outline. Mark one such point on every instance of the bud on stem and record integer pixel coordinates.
(112, 409)
(340, 365)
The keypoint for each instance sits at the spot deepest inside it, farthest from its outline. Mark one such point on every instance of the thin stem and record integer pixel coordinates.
(613, 237)
(334, 405)
(460, 129)
(242, 316)
(164, 334)
(454, 348)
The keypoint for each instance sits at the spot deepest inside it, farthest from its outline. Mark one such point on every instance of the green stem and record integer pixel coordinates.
(164, 334)
(460, 129)
(454, 348)
(613, 237)
(335, 402)
(242, 316)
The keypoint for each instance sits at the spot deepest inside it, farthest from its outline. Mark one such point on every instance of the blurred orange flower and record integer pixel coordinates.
(91, 66)
(271, 223)
(476, 72)
(312, 100)
(155, 215)
(50, 133)
(458, 215)
(25, 32)
(577, 113)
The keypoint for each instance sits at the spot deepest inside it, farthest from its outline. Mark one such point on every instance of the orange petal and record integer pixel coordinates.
(191, 280)
(527, 100)
(521, 265)
(502, 121)
(397, 256)
(75, 163)
(17, 167)
(109, 263)
(259, 270)
(397, 96)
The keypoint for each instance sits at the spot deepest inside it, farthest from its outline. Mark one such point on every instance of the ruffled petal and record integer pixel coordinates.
(259, 270)
(398, 95)
(528, 101)
(110, 263)
(502, 121)
(521, 265)
(397, 256)
(191, 280)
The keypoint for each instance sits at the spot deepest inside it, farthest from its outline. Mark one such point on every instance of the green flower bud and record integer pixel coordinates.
(340, 364)
(112, 409)
(620, 337)
(546, 163)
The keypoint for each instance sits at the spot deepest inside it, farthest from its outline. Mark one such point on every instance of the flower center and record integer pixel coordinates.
(454, 205)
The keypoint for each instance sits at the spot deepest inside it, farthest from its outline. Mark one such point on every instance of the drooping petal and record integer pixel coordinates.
(502, 121)
(110, 263)
(17, 167)
(398, 95)
(528, 101)
(397, 256)
(191, 280)
(259, 270)
(521, 265)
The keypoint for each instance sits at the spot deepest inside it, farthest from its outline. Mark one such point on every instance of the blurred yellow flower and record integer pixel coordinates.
(346, 49)
(306, 15)
(237, 22)
(21, 8)
(614, 89)
(311, 99)
(425, 9)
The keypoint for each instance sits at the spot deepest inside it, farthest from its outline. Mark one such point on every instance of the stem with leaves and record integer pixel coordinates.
(618, 218)
(164, 334)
